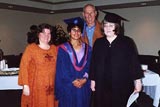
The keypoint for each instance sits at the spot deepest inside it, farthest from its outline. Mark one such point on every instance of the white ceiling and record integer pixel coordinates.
(55, 1)
(63, 6)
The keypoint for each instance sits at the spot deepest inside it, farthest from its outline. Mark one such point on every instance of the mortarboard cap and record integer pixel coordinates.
(75, 20)
(114, 18)
(72, 22)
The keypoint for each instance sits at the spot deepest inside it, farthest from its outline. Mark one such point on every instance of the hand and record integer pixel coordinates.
(76, 83)
(93, 84)
(82, 81)
(26, 90)
(138, 85)
(79, 82)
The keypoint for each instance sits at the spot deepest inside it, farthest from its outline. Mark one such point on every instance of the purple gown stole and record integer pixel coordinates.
(68, 48)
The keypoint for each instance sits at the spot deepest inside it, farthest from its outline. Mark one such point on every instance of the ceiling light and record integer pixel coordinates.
(51, 12)
(143, 4)
(10, 6)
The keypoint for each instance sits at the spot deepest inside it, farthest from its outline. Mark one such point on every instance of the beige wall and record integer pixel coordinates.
(13, 28)
(144, 27)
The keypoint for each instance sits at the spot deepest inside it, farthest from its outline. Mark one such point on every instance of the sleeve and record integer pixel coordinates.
(87, 69)
(24, 64)
(64, 78)
(136, 67)
(93, 63)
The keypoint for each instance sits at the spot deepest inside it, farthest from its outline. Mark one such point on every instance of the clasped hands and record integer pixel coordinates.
(79, 82)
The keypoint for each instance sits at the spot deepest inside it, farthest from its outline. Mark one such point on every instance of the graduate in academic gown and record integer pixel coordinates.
(72, 87)
(115, 70)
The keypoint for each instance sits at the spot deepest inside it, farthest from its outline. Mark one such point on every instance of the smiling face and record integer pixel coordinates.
(45, 36)
(89, 14)
(75, 33)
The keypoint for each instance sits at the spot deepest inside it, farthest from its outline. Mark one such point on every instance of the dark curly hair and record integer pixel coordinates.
(72, 25)
(40, 29)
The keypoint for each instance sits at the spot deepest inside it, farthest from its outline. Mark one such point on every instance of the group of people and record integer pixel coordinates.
(96, 59)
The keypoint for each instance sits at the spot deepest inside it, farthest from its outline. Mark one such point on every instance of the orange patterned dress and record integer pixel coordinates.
(37, 69)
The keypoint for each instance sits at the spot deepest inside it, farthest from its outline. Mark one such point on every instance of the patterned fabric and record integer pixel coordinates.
(37, 69)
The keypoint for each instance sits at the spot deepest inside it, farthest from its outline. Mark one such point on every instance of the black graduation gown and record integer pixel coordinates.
(114, 67)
